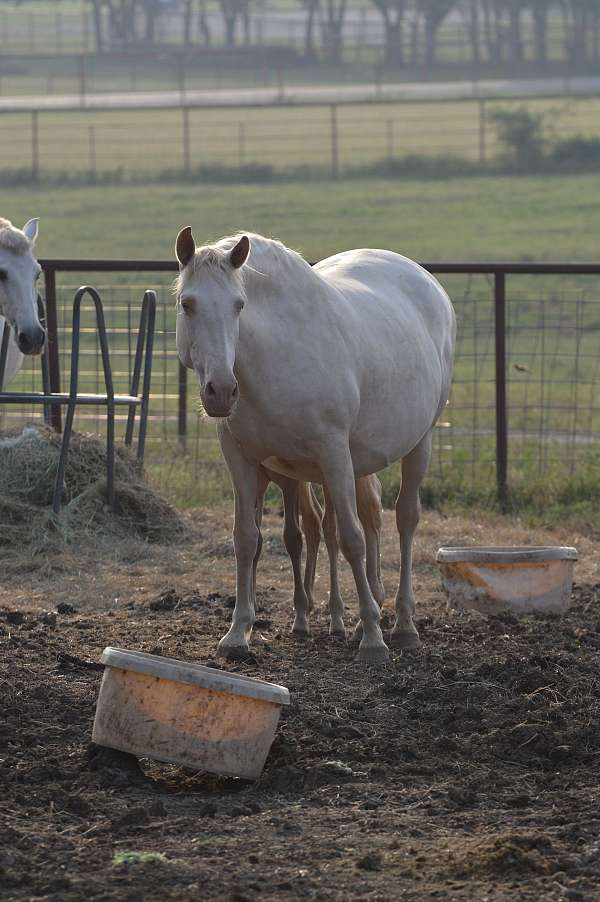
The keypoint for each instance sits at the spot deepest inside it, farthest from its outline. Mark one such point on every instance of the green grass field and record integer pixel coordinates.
(464, 219)
(506, 218)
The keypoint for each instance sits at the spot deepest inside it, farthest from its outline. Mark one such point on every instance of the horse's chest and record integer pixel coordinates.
(261, 435)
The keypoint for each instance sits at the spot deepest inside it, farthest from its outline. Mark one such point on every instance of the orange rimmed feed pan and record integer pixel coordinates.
(520, 579)
(188, 714)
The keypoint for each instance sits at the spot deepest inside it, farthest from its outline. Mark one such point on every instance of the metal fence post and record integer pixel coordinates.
(482, 135)
(35, 146)
(52, 339)
(182, 407)
(186, 139)
(335, 159)
(501, 412)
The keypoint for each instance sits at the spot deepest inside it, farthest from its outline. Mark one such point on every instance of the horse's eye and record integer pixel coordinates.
(187, 305)
(3, 275)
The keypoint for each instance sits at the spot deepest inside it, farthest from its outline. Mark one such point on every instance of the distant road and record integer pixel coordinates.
(305, 94)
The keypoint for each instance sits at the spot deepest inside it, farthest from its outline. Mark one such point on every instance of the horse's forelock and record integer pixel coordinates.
(13, 239)
(207, 257)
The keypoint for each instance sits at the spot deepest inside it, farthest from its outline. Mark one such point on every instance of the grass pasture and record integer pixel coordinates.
(554, 323)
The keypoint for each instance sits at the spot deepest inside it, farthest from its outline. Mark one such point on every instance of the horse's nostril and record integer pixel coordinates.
(210, 389)
(234, 393)
(25, 343)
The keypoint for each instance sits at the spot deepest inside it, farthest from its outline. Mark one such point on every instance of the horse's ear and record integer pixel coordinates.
(185, 246)
(30, 229)
(239, 254)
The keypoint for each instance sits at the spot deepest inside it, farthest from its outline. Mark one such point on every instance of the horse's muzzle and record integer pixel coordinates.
(31, 341)
(219, 399)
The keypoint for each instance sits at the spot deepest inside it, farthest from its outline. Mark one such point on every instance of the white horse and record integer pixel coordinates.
(323, 374)
(19, 271)
(14, 358)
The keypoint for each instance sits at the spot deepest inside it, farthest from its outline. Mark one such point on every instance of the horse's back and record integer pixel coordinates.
(385, 287)
(370, 276)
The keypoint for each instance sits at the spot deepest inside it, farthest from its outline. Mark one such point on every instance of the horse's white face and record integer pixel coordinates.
(19, 271)
(209, 302)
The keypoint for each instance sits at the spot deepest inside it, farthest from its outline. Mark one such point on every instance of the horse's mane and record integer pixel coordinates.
(268, 258)
(13, 239)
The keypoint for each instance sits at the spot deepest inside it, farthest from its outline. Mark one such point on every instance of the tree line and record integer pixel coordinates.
(497, 31)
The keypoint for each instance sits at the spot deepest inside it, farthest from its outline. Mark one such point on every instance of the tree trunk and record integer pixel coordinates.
(187, 23)
(334, 29)
(515, 44)
(540, 30)
(203, 24)
(151, 11)
(309, 31)
(415, 36)
(474, 35)
(490, 30)
(98, 33)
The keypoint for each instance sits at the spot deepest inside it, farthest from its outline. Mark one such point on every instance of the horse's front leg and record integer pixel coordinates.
(246, 535)
(338, 473)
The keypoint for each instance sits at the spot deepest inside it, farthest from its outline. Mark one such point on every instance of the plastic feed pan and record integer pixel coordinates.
(199, 717)
(500, 578)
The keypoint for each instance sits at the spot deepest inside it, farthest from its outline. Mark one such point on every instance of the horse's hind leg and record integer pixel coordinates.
(338, 475)
(312, 516)
(336, 603)
(408, 509)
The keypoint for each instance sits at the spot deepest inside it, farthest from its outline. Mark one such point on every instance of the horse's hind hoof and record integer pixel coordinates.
(233, 652)
(405, 639)
(338, 634)
(373, 654)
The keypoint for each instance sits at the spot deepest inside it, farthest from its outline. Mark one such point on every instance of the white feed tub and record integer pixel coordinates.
(206, 719)
(499, 578)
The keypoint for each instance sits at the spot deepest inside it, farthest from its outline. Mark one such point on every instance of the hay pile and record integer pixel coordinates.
(28, 464)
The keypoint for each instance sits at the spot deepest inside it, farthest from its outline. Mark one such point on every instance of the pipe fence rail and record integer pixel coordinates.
(525, 399)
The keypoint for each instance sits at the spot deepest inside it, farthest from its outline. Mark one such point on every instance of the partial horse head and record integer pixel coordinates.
(210, 298)
(19, 271)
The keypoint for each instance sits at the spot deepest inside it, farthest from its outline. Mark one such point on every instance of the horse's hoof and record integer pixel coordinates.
(372, 654)
(405, 639)
(356, 637)
(233, 652)
(300, 635)
(338, 634)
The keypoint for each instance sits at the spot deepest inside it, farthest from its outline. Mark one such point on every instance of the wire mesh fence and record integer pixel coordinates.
(272, 141)
(551, 372)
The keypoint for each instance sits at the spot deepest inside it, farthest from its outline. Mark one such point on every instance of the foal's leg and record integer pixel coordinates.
(336, 602)
(368, 502)
(263, 485)
(339, 477)
(244, 476)
(292, 537)
(312, 516)
(408, 510)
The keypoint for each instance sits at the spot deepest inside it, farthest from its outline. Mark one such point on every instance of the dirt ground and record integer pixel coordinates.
(466, 770)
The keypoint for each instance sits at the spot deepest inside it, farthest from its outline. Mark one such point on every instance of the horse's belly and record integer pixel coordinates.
(303, 471)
